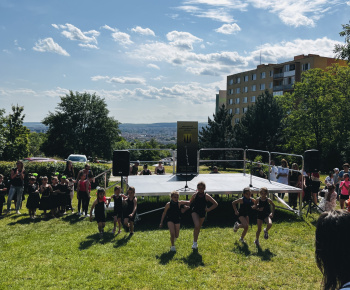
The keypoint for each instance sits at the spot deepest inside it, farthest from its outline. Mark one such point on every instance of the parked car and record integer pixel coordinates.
(77, 158)
(39, 159)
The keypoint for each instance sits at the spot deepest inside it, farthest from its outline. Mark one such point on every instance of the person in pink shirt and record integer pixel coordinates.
(344, 190)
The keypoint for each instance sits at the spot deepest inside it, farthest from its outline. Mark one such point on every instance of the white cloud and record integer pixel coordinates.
(182, 40)
(143, 31)
(74, 33)
(219, 14)
(120, 37)
(48, 45)
(55, 26)
(87, 45)
(120, 80)
(228, 28)
(151, 65)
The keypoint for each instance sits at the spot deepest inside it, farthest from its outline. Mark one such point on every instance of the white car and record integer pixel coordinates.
(77, 158)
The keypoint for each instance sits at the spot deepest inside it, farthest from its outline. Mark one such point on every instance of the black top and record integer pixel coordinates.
(264, 204)
(130, 205)
(32, 189)
(174, 211)
(118, 202)
(146, 172)
(246, 206)
(17, 181)
(199, 204)
(2, 186)
(134, 170)
(160, 171)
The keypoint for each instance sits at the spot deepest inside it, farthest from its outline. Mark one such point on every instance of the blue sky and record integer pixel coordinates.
(152, 61)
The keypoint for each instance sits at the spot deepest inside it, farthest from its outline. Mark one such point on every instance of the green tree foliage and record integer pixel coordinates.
(219, 131)
(36, 140)
(81, 125)
(260, 127)
(317, 114)
(343, 51)
(3, 130)
(16, 135)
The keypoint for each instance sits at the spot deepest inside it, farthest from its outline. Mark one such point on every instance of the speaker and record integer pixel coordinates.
(121, 162)
(311, 160)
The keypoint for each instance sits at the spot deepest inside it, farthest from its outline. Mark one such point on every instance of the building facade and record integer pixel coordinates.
(244, 88)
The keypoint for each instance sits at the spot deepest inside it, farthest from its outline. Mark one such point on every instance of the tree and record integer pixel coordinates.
(17, 135)
(3, 131)
(260, 127)
(317, 114)
(217, 134)
(343, 51)
(36, 141)
(81, 125)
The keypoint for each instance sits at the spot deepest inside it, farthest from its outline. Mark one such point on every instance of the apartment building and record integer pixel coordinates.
(220, 100)
(244, 88)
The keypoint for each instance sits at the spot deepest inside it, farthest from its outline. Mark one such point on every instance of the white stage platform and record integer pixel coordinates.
(232, 183)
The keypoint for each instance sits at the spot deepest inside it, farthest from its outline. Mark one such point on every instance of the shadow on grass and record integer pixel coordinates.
(166, 257)
(241, 248)
(96, 239)
(72, 218)
(265, 255)
(194, 259)
(123, 241)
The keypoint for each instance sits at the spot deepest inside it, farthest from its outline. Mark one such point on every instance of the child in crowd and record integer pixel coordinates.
(173, 211)
(45, 189)
(55, 194)
(33, 200)
(99, 206)
(118, 208)
(199, 208)
(82, 190)
(265, 214)
(130, 213)
(145, 170)
(246, 203)
(344, 187)
(3, 191)
(62, 195)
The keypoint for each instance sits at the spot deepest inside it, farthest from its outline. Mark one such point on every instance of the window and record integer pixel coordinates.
(262, 87)
(253, 88)
(230, 101)
(271, 85)
(238, 80)
(236, 120)
(305, 66)
(271, 73)
(230, 91)
(238, 90)
(278, 93)
(246, 78)
(245, 100)
(245, 110)
(253, 77)
(246, 89)
(263, 75)
(252, 99)
(237, 101)
(230, 111)
(230, 82)
(236, 110)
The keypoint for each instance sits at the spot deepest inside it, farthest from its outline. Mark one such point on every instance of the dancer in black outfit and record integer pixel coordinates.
(118, 208)
(130, 213)
(99, 206)
(173, 211)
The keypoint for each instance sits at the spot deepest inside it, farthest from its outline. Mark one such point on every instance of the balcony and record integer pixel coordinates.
(288, 87)
(278, 76)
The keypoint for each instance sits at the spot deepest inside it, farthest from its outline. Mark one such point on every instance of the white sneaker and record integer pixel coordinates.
(235, 227)
(79, 213)
(172, 249)
(87, 215)
(194, 246)
(17, 212)
(256, 242)
(266, 234)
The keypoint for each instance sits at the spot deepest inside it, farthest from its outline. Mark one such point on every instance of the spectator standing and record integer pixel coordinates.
(273, 171)
(336, 180)
(17, 186)
(282, 175)
(294, 180)
(342, 172)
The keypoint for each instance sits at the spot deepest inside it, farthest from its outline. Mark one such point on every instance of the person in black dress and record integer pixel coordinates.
(3, 191)
(199, 208)
(130, 213)
(99, 206)
(33, 200)
(118, 208)
(246, 203)
(265, 214)
(173, 211)
(45, 201)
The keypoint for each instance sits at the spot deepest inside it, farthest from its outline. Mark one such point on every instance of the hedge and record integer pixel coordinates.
(49, 168)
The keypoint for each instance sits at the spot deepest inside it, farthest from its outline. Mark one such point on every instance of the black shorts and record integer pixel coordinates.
(201, 213)
(131, 219)
(263, 215)
(343, 196)
(173, 220)
(118, 213)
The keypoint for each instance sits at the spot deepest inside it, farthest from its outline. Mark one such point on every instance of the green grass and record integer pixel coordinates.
(68, 253)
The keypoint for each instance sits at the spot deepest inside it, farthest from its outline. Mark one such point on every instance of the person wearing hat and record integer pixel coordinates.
(135, 168)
